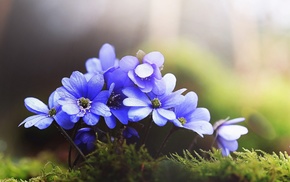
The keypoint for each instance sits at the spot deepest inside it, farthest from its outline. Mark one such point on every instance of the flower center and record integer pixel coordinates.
(156, 103)
(115, 101)
(52, 112)
(84, 103)
(182, 120)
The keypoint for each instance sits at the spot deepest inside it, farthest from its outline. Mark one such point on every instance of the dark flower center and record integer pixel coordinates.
(52, 112)
(84, 103)
(182, 120)
(156, 103)
(115, 101)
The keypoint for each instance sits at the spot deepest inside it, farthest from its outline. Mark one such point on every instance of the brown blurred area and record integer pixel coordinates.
(42, 42)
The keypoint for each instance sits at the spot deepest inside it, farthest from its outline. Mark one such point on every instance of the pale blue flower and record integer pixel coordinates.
(227, 134)
(160, 105)
(107, 60)
(190, 117)
(46, 114)
(117, 80)
(130, 132)
(85, 139)
(84, 99)
(146, 74)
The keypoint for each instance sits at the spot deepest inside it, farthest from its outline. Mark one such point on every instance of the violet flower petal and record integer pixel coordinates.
(44, 123)
(158, 119)
(134, 102)
(138, 113)
(232, 132)
(144, 70)
(91, 119)
(107, 56)
(154, 58)
(200, 127)
(110, 121)
(35, 105)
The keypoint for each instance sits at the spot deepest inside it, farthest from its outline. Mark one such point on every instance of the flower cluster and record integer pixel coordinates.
(122, 92)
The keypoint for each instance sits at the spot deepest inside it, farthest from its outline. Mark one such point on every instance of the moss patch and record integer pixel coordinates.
(241, 166)
(120, 162)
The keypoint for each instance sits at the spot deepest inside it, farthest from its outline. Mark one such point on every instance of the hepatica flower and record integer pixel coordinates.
(85, 139)
(84, 99)
(130, 132)
(116, 81)
(45, 115)
(227, 133)
(107, 60)
(127, 91)
(190, 117)
(144, 74)
(160, 105)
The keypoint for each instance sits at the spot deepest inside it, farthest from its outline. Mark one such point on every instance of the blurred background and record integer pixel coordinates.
(234, 54)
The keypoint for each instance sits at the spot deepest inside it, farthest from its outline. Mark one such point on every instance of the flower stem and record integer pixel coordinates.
(193, 142)
(146, 132)
(214, 140)
(68, 138)
(172, 130)
(77, 125)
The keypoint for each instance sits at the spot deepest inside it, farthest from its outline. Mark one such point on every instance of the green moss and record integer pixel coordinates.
(117, 161)
(24, 168)
(114, 162)
(243, 166)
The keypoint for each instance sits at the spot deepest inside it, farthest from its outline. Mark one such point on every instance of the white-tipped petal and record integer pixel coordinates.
(232, 132)
(200, 127)
(35, 105)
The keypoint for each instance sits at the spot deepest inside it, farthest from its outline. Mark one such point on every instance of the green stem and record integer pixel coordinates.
(172, 130)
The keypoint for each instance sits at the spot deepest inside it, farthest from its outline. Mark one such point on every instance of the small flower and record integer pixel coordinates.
(130, 132)
(117, 80)
(190, 117)
(85, 139)
(146, 74)
(107, 60)
(82, 98)
(46, 114)
(160, 105)
(227, 134)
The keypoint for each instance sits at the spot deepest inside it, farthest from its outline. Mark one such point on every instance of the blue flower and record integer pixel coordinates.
(146, 74)
(227, 134)
(161, 105)
(85, 139)
(116, 81)
(82, 98)
(130, 132)
(190, 117)
(46, 114)
(107, 60)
